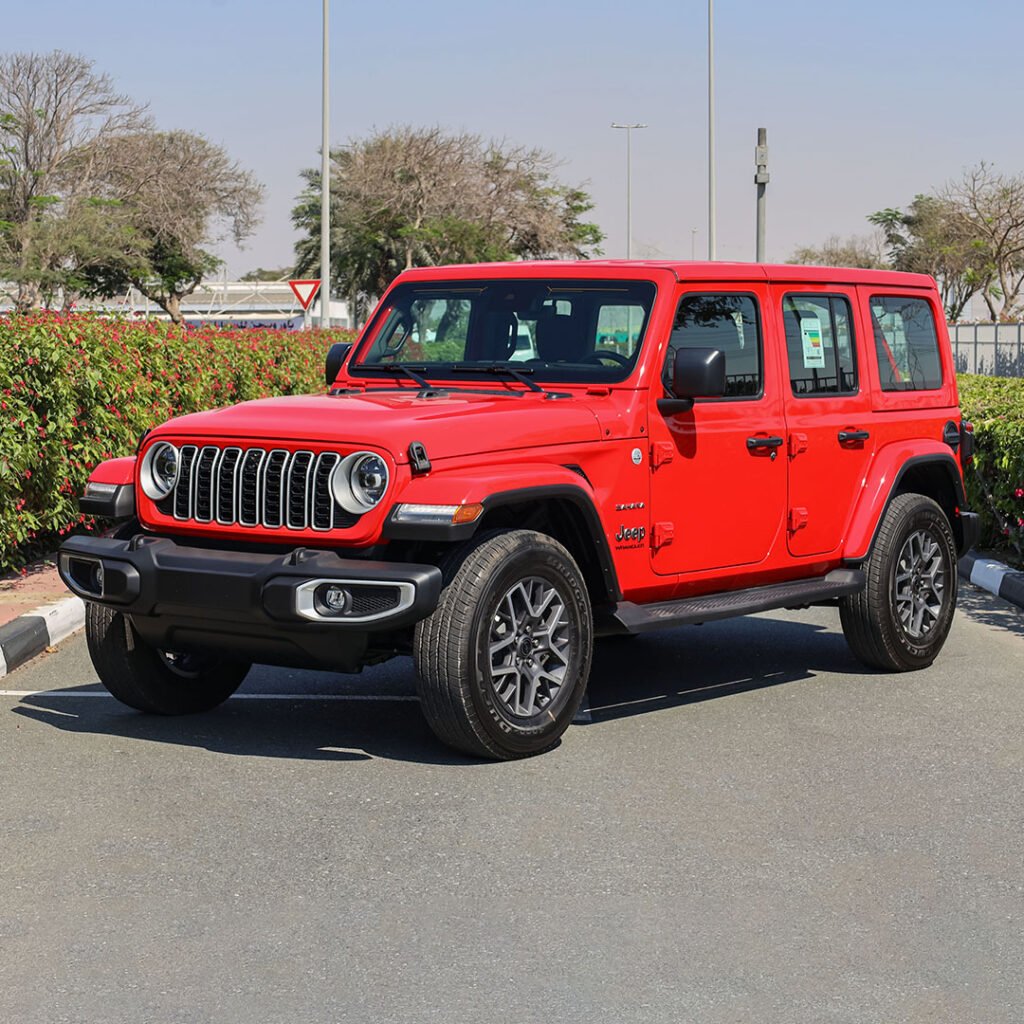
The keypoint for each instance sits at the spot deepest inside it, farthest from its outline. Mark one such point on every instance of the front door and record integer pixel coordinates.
(718, 472)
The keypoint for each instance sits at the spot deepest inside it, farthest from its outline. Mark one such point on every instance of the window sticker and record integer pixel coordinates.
(814, 347)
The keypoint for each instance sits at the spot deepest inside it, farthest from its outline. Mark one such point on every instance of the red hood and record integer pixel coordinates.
(459, 423)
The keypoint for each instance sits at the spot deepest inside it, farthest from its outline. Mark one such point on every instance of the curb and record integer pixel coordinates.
(994, 577)
(27, 636)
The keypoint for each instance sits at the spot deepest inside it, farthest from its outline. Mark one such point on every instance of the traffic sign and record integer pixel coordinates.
(305, 291)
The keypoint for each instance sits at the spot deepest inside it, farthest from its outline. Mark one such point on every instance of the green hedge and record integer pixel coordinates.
(77, 389)
(995, 484)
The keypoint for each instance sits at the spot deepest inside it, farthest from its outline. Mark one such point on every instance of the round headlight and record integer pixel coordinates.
(159, 471)
(359, 481)
(369, 479)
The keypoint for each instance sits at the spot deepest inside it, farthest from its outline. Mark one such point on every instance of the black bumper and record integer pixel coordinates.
(253, 606)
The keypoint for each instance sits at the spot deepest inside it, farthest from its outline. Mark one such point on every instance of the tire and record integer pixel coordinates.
(508, 596)
(900, 620)
(150, 680)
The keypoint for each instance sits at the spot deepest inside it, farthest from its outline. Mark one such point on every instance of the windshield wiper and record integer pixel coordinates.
(519, 375)
(402, 367)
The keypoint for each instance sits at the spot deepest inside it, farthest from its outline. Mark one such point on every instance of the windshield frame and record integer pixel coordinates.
(540, 371)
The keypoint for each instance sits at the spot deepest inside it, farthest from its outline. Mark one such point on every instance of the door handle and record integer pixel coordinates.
(850, 436)
(755, 443)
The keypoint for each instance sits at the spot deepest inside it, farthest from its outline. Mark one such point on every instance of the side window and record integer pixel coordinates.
(619, 328)
(819, 342)
(729, 323)
(906, 343)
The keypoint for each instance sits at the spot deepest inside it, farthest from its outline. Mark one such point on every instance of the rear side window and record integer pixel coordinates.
(906, 343)
(728, 323)
(819, 343)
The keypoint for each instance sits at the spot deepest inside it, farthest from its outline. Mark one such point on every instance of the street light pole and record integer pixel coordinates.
(325, 188)
(711, 131)
(629, 184)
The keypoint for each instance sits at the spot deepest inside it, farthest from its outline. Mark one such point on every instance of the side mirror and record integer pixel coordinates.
(336, 355)
(696, 373)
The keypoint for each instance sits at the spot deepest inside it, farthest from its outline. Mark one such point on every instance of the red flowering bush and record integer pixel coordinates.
(995, 486)
(78, 389)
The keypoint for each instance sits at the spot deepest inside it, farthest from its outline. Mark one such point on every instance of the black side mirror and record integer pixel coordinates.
(696, 373)
(336, 355)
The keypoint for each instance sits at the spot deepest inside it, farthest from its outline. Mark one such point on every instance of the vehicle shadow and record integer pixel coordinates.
(989, 610)
(697, 663)
(279, 728)
(630, 676)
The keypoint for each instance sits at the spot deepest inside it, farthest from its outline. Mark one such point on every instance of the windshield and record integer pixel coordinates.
(553, 330)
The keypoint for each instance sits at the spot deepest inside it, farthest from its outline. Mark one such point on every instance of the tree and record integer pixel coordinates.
(262, 274)
(854, 251)
(988, 208)
(932, 237)
(56, 113)
(420, 197)
(172, 193)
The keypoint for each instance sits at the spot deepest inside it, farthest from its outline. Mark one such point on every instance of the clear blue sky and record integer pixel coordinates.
(865, 103)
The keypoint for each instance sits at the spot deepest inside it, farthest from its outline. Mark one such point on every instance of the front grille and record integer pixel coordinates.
(272, 488)
(374, 600)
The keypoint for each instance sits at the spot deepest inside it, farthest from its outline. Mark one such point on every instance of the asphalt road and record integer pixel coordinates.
(749, 829)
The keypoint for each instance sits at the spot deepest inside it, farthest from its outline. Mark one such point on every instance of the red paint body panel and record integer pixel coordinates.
(114, 471)
(721, 515)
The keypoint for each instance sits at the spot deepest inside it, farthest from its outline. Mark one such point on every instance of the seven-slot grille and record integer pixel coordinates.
(272, 488)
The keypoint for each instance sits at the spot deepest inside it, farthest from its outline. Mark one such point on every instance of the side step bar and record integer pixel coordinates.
(644, 618)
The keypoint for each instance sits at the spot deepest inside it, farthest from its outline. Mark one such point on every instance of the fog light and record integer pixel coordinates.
(336, 600)
(97, 578)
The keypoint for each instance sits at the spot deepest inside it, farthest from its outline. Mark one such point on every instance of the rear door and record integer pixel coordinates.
(829, 431)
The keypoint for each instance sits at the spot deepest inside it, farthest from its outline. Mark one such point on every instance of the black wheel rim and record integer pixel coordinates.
(919, 584)
(529, 649)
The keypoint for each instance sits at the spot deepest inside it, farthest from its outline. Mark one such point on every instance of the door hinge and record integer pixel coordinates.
(661, 452)
(797, 519)
(797, 444)
(662, 534)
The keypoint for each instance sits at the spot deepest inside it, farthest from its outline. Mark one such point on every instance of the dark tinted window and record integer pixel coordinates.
(726, 322)
(819, 342)
(906, 343)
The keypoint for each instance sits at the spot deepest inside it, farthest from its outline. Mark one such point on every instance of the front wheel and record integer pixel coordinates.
(503, 661)
(147, 679)
(900, 620)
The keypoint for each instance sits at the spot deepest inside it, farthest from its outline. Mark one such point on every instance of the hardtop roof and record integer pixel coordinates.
(683, 270)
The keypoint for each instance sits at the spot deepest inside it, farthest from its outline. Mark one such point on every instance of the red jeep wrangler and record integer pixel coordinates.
(516, 458)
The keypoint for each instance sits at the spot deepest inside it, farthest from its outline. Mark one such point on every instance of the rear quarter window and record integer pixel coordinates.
(906, 343)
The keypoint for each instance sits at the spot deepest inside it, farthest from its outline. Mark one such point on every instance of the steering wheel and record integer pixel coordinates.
(604, 353)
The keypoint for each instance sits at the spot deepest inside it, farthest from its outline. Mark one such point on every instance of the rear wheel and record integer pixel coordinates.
(901, 618)
(151, 680)
(503, 661)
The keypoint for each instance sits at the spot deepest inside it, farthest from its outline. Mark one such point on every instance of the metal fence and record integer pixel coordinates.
(996, 350)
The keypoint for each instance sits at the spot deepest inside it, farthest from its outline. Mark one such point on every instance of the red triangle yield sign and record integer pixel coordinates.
(305, 291)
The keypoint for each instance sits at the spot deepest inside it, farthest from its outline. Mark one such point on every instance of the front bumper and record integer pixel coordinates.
(254, 606)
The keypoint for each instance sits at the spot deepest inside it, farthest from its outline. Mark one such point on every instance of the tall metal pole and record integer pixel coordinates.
(761, 178)
(712, 239)
(325, 188)
(629, 184)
